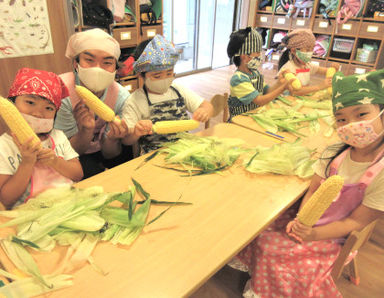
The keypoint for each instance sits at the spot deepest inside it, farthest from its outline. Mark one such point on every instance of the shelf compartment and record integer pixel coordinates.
(358, 69)
(281, 22)
(263, 20)
(348, 29)
(318, 61)
(151, 31)
(126, 36)
(300, 23)
(371, 29)
(322, 26)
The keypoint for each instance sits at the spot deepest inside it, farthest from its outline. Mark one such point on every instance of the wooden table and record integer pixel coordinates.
(175, 255)
(313, 141)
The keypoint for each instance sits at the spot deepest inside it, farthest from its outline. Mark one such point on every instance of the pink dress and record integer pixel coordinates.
(280, 267)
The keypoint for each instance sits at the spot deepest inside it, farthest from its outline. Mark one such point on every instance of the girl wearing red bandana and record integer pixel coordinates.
(297, 59)
(26, 169)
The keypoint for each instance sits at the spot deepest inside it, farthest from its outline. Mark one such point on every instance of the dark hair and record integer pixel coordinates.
(236, 40)
(341, 149)
(283, 59)
(139, 50)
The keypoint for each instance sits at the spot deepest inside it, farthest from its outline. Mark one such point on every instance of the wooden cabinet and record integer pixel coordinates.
(346, 41)
(130, 32)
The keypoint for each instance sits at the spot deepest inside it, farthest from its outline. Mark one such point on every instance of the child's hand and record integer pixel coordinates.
(335, 65)
(118, 129)
(299, 232)
(287, 84)
(28, 151)
(326, 83)
(201, 115)
(46, 157)
(143, 127)
(84, 117)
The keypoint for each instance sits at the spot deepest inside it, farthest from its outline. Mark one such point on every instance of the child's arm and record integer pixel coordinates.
(203, 112)
(68, 168)
(13, 186)
(274, 91)
(323, 70)
(311, 89)
(111, 142)
(359, 218)
(142, 128)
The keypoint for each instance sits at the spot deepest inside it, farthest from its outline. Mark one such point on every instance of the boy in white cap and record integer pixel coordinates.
(94, 55)
(160, 98)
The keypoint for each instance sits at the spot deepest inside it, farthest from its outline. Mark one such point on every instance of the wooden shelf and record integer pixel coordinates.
(362, 63)
(360, 29)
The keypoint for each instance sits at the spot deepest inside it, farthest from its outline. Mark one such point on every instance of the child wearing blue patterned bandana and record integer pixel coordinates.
(160, 98)
(248, 90)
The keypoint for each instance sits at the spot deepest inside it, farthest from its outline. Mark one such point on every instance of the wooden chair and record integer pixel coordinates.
(348, 253)
(220, 104)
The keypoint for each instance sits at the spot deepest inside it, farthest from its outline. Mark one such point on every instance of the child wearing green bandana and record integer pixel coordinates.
(248, 90)
(290, 259)
(296, 59)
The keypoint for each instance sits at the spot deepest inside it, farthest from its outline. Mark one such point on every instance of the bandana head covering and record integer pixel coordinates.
(251, 44)
(357, 89)
(94, 39)
(39, 82)
(159, 54)
(299, 39)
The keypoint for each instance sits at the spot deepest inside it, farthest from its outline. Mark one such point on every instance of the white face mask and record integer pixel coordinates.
(158, 86)
(96, 78)
(39, 125)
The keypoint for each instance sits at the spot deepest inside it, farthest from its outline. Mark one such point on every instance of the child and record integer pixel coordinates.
(160, 98)
(248, 90)
(300, 266)
(26, 169)
(296, 58)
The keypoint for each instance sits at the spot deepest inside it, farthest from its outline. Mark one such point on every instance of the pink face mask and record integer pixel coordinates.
(359, 134)
(39, 125)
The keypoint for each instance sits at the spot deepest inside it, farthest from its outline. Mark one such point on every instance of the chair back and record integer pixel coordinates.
(220, 104)
(355, 240)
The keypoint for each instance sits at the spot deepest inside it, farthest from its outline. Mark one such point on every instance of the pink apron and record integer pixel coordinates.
(44, 177)
(110, 100)
(282, 267)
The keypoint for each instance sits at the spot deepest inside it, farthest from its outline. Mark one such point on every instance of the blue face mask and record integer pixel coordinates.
(304, 56)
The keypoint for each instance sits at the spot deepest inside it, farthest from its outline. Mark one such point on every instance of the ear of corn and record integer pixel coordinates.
(16, 122)
(96, 105)
(320, 200)
(296, 84)
(173, 126)
(329, 74)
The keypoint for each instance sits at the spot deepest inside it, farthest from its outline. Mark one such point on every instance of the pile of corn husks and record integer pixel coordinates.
(78, 218)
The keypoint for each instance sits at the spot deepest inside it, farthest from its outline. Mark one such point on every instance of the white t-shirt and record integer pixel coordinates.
(352, 171)
(136, 106)
(10, 156)
(304, 77)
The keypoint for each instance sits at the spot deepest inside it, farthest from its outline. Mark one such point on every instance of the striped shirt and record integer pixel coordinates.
(244, 89)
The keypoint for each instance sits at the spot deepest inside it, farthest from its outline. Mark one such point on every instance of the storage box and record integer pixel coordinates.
(367, 56)
(343, 45)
